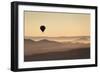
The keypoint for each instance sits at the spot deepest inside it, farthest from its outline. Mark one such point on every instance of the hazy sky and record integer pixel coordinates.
(57, 24)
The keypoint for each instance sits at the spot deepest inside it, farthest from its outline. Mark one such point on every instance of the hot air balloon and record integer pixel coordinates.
(42, 27)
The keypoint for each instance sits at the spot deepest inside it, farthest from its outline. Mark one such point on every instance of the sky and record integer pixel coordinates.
(57, 24)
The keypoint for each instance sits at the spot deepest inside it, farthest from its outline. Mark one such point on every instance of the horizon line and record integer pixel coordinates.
(59, 36)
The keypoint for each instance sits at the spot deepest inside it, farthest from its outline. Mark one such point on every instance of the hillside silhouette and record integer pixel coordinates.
(51, 50)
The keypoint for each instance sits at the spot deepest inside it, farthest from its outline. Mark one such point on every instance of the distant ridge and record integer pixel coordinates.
(83, 38)
(40, 41)
(44, 40)
(47, 41)
(29, 40)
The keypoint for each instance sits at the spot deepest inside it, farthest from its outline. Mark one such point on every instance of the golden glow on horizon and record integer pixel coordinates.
(57, 24)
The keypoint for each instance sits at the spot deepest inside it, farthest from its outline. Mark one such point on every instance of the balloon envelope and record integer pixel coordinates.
(42, 27)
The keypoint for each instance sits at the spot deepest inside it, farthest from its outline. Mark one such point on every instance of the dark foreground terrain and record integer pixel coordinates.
(80, 53)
